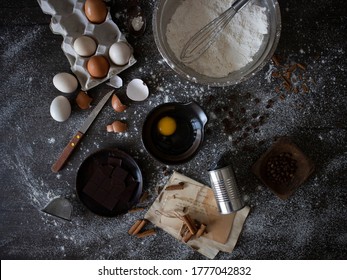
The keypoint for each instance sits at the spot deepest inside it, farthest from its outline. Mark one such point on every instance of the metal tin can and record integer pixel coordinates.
(225, 190)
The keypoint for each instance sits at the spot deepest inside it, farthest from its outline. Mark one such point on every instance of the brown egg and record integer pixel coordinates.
(98, 66)
(96, 11)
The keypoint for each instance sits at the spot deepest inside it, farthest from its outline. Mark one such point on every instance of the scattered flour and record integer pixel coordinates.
(137, 23)
(234, 48)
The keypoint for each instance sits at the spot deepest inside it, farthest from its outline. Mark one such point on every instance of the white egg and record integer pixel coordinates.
(137, 90)
(60, 108)
(65, 82)
(120, 53)
(84, 46)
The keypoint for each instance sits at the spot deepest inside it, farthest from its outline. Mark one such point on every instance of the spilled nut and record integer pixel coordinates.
(117, 126)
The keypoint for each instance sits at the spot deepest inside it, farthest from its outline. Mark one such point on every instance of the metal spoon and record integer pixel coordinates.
(204, 38)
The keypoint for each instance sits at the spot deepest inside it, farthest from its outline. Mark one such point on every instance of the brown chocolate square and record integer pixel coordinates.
(119, 174)
(114, 161)
(97, 178)
(283, 168)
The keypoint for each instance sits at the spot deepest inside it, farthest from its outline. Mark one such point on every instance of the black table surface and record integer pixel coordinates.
(311, 224)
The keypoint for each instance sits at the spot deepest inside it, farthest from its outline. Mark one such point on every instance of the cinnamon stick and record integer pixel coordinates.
(137, 209)
(175, 187)
(302, 66)
(201, 230)
(190, 223)
(134, 227)
(139, 227)
(275, 60)
(187, 237)
(146, 233)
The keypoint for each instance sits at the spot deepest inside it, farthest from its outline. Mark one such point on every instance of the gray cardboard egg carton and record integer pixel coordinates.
(70, 21)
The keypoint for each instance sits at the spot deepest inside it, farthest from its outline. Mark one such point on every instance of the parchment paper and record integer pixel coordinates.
(198, 201)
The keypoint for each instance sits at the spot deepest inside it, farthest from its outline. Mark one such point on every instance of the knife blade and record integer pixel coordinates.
(70, 147)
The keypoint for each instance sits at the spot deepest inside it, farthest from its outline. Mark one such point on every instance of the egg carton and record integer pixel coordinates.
(69, 20)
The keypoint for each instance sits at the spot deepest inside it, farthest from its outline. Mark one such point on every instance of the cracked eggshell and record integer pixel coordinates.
(137, 90)
(60, 108)
(117, 105)
(65, 82)
(83, 100)
(117, 126)
(115, 82)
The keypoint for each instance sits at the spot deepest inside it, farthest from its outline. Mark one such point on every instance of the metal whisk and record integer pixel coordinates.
(206, 36)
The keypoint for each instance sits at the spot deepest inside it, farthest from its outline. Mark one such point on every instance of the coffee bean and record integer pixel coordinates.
(281, 168)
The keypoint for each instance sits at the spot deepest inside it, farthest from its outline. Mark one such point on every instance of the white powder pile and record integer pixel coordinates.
(233, 49)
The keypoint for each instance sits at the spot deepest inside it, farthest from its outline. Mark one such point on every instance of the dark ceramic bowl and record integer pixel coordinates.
(100, 167)
(181, 146)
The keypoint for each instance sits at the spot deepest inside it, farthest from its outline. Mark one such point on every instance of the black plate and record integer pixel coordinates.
(185, 142)
(85, 172)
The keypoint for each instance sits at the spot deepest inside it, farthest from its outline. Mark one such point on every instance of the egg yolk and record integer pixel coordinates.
(167, 126)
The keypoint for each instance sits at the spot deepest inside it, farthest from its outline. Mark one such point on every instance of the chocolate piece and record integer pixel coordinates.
(90, 188)
(100, 196)
(106, 184)
(107, 170)
(127, 194)
(113, 161)
(106, 190)
(95, 180)
(130, 182)
(119, 174)
(114, 196)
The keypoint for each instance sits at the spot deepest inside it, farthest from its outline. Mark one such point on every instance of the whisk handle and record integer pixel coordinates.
(238, 4)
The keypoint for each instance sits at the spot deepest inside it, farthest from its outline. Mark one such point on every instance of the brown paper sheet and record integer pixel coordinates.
(198, 201)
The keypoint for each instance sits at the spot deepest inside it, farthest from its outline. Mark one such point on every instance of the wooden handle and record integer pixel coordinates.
(67, 152)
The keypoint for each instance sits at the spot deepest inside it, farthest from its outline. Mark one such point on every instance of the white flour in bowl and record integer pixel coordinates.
(233, 49)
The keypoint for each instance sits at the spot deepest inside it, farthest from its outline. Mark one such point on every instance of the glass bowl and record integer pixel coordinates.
(163, 13)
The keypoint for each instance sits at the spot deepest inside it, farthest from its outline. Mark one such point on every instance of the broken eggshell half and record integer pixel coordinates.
(137, 90)
(117, 126)
(115, 82)
(117, 105)
(83, 100)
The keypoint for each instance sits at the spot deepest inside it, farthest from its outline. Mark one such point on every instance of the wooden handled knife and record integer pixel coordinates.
(80, 133)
